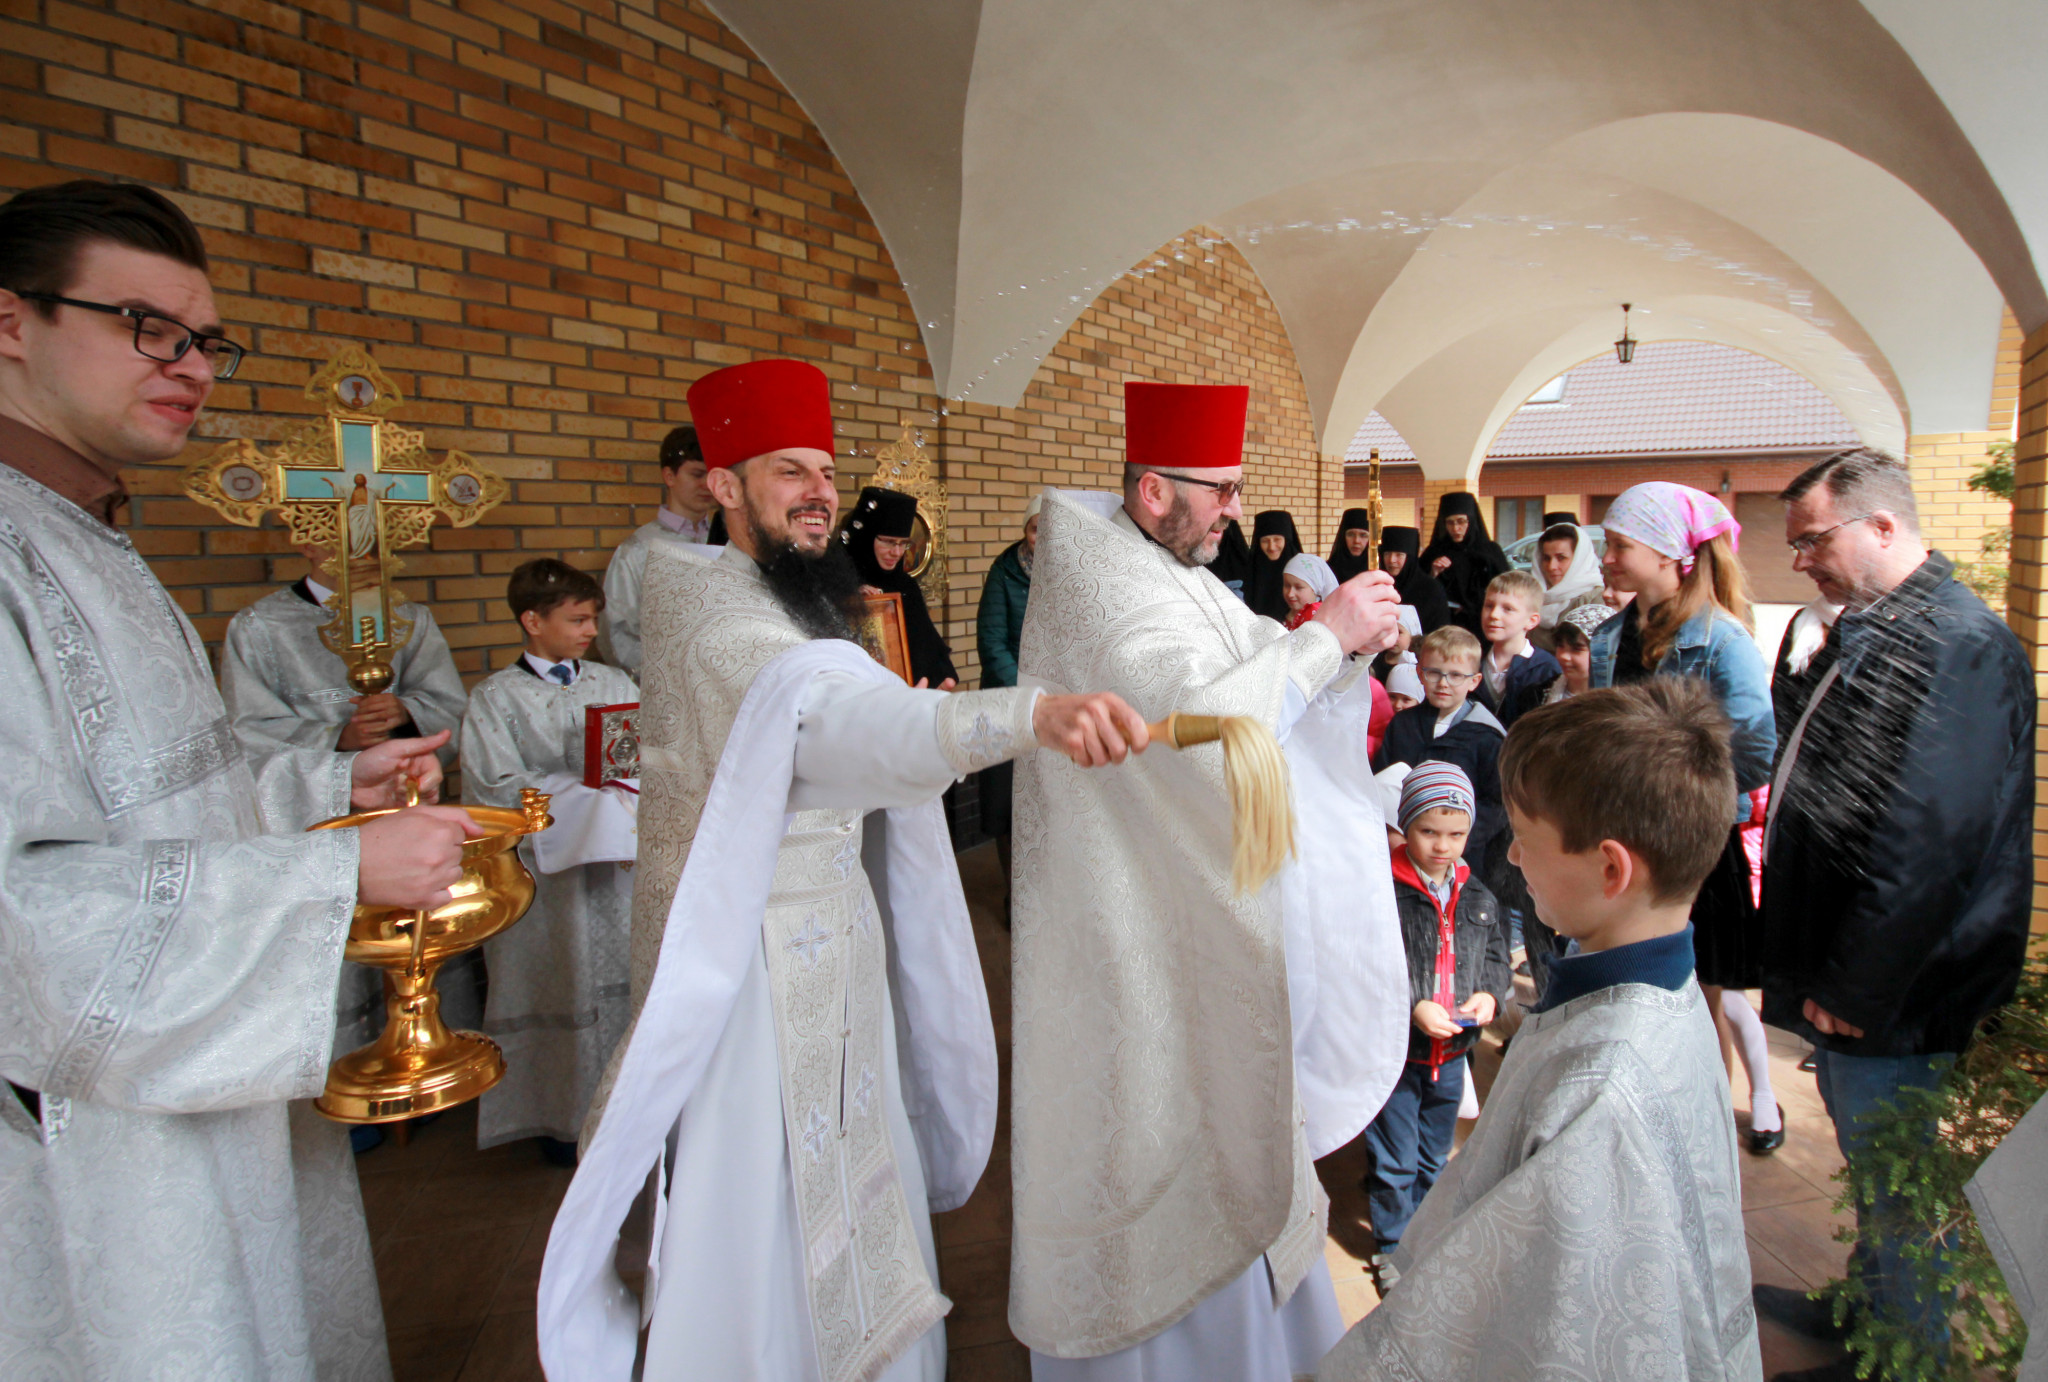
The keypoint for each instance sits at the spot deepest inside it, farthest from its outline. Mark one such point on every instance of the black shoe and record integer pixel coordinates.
(1841, 1370)
(1794, 1310)
(365, 1137)
(1764, 1143)
(556, 1152)
(1807, 1064)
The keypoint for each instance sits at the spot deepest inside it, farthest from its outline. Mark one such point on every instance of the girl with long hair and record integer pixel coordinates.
(1675, 547)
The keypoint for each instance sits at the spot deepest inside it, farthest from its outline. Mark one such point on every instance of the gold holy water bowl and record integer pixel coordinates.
(418, 1066)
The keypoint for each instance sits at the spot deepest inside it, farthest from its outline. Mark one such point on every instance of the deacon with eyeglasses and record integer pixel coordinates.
(170, 938)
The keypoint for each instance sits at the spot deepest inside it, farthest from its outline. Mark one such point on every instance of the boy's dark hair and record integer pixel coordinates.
(1647, 765)
(680, 446)
(545, 582)
(43, 230)
(1568, 632)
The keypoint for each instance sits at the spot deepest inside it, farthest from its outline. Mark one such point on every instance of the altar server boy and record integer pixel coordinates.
(557, 999)
(1591, 1226)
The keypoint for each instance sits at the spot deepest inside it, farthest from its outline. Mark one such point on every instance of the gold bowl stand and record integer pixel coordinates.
(418, 1066)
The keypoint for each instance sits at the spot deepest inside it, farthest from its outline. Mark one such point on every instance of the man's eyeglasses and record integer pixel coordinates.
(1806, 544)
(162, 338)
(1226, 490)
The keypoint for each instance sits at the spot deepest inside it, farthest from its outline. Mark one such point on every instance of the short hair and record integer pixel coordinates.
(1862, 480)
(1519, 585)
(545, 582)
(680, 447)
(1560, 532)
(1450, 642)
(1647, 765)
(43, 231)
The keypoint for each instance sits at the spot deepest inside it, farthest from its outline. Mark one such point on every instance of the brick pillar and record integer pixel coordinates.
(2027, 599)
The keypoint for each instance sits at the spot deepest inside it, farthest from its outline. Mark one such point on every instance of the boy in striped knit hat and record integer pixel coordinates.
(1458, 977)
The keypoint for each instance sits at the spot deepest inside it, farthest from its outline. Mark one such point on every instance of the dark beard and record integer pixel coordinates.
(1181, 535)
(818, 592)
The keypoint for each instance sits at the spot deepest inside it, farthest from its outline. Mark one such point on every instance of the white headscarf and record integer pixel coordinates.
(1313, 572)
(1580, 578)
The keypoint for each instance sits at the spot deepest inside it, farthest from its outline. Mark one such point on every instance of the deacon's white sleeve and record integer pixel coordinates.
(868, 745)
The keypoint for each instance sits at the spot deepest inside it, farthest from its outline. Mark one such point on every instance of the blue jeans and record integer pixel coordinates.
(1852, 1087)
(1410, 1142)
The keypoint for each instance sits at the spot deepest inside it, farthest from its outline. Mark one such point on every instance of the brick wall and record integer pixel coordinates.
(547, 217)
(2027, 598)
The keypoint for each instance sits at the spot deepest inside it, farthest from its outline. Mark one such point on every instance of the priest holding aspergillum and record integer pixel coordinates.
(1182, 1053)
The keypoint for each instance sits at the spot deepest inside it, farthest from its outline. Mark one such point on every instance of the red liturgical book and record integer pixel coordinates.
(611, 743)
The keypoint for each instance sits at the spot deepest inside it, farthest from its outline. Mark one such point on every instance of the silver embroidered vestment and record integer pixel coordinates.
(557, 998)
(622, 642)
(798, 1242)
(1591, 1226)
(1157, 1143)
(169, 946)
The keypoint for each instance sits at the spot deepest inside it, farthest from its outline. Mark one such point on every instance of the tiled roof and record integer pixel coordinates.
(1674, 396)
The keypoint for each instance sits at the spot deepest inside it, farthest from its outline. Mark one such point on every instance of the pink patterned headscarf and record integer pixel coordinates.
(1671, 520)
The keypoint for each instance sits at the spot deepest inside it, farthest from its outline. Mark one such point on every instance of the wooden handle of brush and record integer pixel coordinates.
(1183, 731)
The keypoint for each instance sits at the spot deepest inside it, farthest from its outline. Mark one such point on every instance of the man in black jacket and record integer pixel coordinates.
(1898, 871)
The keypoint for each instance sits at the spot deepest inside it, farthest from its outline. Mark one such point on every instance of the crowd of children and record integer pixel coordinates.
(1587, 783)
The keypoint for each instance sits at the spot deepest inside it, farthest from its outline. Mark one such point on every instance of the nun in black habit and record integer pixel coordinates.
(1400, 557)
(1263, 590)
(888, 515)
(1233, 564)
(1463, 557)
(1348, 556)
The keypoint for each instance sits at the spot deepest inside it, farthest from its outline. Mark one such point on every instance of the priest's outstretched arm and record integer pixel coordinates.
(870, 745)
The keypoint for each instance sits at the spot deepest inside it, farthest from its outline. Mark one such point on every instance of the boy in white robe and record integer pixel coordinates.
(688, 519)
(557, 1000)
(1591, 1226)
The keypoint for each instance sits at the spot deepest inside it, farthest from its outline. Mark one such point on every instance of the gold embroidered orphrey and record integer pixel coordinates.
(906, 467)
(359, 485)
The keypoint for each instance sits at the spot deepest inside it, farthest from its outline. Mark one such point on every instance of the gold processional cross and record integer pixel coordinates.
(1375, 511)
(359, 486)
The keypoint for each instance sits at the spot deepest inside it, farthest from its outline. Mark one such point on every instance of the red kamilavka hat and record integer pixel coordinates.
(1185, 426)
(743, 411)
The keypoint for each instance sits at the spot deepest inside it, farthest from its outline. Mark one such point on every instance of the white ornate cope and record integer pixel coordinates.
(1158, 1137)
(167, 977)
(557, 999)
(1591, 1226)
(710, 630)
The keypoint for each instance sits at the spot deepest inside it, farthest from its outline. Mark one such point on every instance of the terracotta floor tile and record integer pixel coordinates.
(977, 1278)
(1008, 1361)
(505, 1351)
(430, 1352)
(446, 1278)
(1801, 1236)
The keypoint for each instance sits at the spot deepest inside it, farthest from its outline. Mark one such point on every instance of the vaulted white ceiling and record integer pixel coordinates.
(1449, 199)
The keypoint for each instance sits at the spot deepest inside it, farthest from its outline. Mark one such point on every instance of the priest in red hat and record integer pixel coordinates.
(1181, 1054)
(811, 1070)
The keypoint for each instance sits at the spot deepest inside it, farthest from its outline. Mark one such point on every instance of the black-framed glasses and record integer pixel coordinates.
(158, 337)
(1226, 490)
(1806, 543)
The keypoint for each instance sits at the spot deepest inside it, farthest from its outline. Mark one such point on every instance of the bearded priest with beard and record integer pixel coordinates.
(811, 1070)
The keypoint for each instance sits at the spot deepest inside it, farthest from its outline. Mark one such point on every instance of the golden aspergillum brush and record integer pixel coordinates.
(1261, 802)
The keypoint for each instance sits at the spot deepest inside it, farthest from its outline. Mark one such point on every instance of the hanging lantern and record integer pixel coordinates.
(1625, 348)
